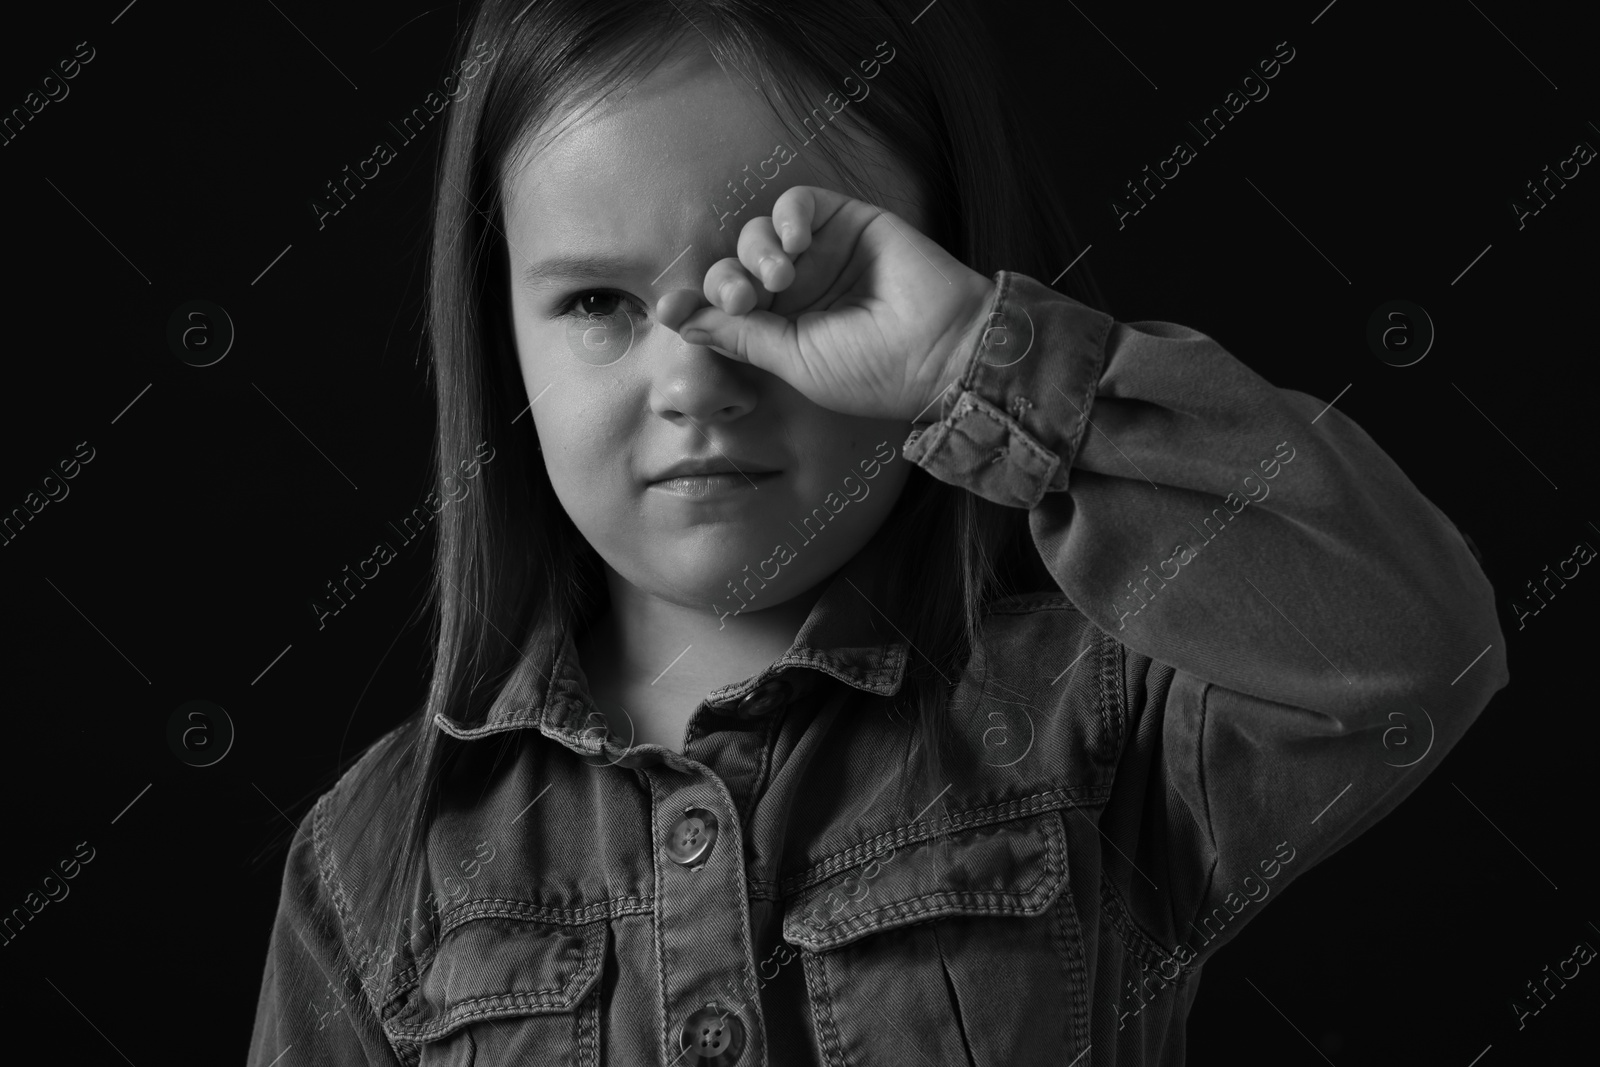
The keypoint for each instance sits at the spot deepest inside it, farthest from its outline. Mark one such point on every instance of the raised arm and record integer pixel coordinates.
(1305, 634)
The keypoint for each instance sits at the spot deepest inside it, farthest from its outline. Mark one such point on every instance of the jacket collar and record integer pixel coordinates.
(847, 635)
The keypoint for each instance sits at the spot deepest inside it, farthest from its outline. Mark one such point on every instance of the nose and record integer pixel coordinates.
(694, 384)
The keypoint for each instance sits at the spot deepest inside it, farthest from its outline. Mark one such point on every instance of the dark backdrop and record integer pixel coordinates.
(220, 499)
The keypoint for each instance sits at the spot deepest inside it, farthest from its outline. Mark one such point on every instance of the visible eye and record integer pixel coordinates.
(595, 303)
(600, 325)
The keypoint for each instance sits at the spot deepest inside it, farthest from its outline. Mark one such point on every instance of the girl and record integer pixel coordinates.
(858, 651)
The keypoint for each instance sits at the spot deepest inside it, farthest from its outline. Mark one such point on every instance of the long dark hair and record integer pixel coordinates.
(507, 556)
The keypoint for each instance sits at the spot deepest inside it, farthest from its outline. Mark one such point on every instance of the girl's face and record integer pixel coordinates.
(617, 209)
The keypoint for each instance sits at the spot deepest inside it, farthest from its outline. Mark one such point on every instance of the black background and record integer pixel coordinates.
(182, 562)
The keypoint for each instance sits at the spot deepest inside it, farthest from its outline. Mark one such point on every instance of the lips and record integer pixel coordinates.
(711, 465)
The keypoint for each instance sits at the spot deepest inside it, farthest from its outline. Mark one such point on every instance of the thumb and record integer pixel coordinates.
(759, 338)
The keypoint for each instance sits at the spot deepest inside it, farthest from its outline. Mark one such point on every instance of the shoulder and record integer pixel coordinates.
(355, 827)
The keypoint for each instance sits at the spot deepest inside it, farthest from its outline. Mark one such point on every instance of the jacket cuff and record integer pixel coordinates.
(1010, 428)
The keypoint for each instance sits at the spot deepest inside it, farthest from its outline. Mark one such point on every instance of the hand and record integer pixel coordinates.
(851, 306)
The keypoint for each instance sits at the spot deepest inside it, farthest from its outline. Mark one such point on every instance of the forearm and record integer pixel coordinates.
(1248, 535)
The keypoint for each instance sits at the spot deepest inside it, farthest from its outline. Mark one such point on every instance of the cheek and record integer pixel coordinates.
(584, 443)
(830, 452)
(585, 423)
(538, 353)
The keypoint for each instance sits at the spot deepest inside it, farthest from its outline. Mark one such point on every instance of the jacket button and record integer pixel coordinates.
(713, 1037)
(765, 699)
(691, 838)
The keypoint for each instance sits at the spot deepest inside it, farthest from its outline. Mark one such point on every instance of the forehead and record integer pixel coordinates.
(656, 160)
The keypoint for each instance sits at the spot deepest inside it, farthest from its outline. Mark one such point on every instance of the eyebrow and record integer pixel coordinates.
(581, 268)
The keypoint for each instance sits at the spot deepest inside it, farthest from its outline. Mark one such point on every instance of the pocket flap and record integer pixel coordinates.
(1017, 867)
(495, 967)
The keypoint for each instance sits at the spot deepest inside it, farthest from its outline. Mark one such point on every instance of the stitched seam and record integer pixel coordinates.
(763, 889)
(655, 921)
(484, 1006)
(744, 919)
(1205, 798)
(473, 1007)
(525, 911)
(1069, 970)
(589, 1031)
(856, 855)
(1107, 677)
(1134, 940)
(981, 902)
(327, 874)
(982, 817)
(519, 911)
(823, 661)
(1067, 922)
(984, 903)
(1091, 380)
(1113, 683)
(974, 404)
(1149, 951)
(971, 399)
(932, 439)
(1029, 603)
(1002, 304)
(558, 668)
(827, 1029)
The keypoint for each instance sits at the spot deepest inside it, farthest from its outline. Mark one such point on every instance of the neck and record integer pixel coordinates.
(644, 635)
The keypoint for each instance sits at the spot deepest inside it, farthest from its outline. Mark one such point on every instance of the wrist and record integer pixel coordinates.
(975, 316)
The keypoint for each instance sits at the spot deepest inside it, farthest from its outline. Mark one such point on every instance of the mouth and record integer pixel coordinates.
(718, 484)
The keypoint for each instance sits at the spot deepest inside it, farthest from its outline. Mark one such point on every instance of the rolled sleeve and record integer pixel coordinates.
(1020, 408)
(1303, 634)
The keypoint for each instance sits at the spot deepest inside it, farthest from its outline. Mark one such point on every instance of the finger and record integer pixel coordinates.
(730, 287)
(677, 305)
(760, 338)
(762, 254)
(794, 214)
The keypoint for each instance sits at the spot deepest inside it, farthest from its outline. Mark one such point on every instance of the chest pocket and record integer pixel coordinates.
(508, 991)
(963, 946)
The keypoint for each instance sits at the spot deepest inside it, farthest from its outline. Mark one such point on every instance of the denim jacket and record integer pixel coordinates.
(1260, 638)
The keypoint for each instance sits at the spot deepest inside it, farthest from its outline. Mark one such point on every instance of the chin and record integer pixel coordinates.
(683, 566)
